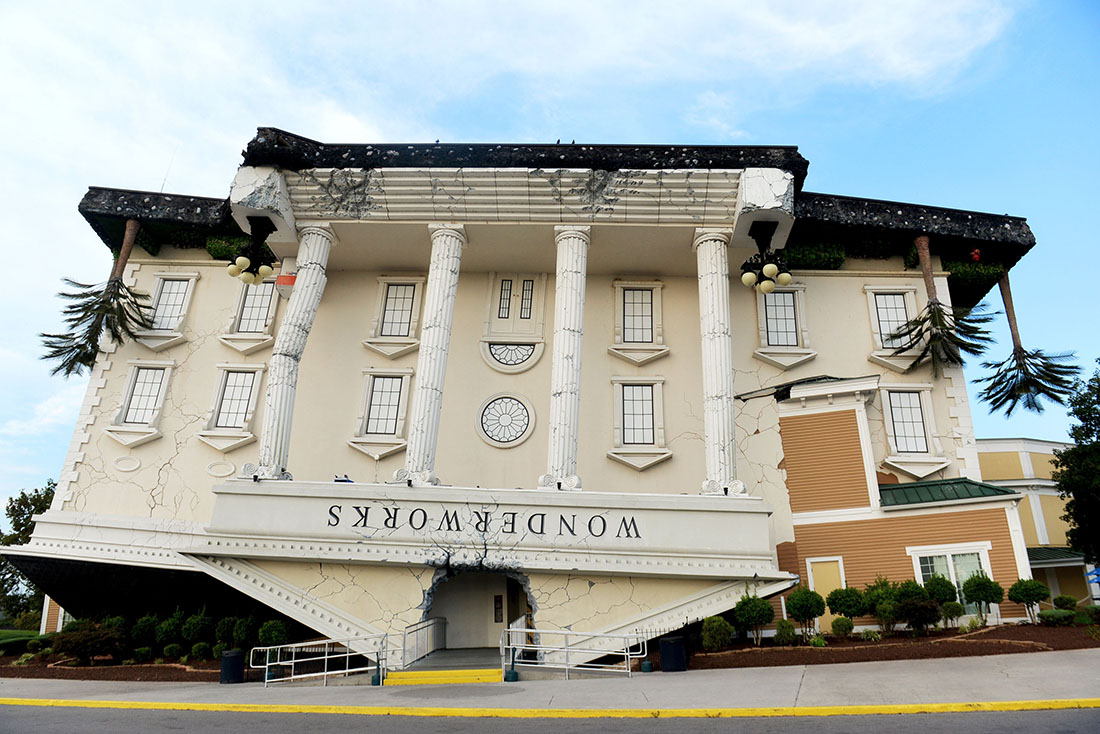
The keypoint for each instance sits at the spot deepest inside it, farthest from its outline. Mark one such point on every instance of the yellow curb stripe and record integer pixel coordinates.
(545, 713)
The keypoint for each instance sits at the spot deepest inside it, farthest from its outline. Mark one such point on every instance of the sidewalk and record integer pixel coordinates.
(1071, 674)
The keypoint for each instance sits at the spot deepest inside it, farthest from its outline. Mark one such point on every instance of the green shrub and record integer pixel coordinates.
(818, 641)
(34, 644)
(171, 630)
(871, 635)
(941, 590)
(173, 650)
(144, 631)
(842, 627)
(717, 633)
(184, 660)
(200, 651)
(29, 621)
(975, 624)
(1056, 617)
(805, 606)
(817, 256)
(272, 632)
(117, 622)
(1029, 592)
(244, 632)
(143, 654)
(753, 613)
(1065, 601)
(78, 625)
(919, 614)
(128, 661)
(198, 628)
(1093, 611)
(886, 616)
(879, 597)
(951, 611)
(223, 632)
(226, 247)
(847, 602)
(984, 591)
(218, 650)
(784, 632)
(911, 591)
(44, 653)
(24, 659)
(1081, 617)
(86, 643)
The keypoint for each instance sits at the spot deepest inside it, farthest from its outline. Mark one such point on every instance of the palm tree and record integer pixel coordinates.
(1026, 376)
(110, 306)
(942, 334)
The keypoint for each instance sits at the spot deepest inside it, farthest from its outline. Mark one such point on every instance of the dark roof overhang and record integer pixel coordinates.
(166, 219)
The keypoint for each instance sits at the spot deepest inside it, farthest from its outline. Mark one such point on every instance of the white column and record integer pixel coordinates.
(314, 244)
(565, 374)
(431, 363)
(719, 425)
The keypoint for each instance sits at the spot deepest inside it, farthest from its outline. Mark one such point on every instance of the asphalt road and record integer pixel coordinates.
(44, 720)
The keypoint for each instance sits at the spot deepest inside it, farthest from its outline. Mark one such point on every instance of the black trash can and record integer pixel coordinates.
(673, 655)
(233, 666)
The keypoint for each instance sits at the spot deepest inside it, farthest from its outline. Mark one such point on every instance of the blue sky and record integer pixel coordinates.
(973, 104)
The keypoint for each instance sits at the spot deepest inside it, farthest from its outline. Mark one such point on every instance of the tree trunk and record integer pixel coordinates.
(925, 257)
(1010, 312)
(128, 239)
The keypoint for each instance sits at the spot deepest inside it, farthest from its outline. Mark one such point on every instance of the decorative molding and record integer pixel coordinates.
(785, 357)
(639, 353)
(639, 456)
(160, 339)
(524, 411)
(380, 445)
(488, 344)
(133, 435)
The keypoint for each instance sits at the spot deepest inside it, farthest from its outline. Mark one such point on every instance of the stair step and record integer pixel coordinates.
(437, 677)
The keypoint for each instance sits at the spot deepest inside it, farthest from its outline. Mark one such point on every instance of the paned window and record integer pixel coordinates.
(171, 300)
(398, 309)
(384, 404)
(890, 310)
(637, 315)
(908, 422)
(779, 314)
(145, 395)
(526, 299)
(235, 400)
(958, 567)
(504, 309)
(637, 414)
(255, 307)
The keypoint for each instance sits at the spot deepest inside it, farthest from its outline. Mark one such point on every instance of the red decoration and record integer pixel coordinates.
(975, 254)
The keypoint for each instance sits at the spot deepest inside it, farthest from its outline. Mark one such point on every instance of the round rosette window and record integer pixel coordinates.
(505, 420)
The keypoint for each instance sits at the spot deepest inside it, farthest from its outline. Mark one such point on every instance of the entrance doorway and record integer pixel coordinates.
(477, 607)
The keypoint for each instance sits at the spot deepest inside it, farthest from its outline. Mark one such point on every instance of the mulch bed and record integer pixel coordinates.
(990, 641)
(198, 673)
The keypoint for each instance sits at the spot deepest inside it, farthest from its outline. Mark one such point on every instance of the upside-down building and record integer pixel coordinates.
(541, 384)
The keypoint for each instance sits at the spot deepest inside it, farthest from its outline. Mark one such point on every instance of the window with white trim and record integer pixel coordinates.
(889, 308)
(236, 394)
(396, 323)
(639, 425)
(907, 415)
(138, 417)
(957, 563)
(171, 302)
(383, 404)
(168, 307)
(229, 424)
(380, 427)
(891, 314)
(781, 319)
(145, 395)
(513, 339)
(908, 421)
(397, 309)
(251, 325)
(639, 327)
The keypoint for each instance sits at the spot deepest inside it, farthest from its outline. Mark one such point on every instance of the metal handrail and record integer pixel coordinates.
(577, 650)
(323, 654)
(428, 635)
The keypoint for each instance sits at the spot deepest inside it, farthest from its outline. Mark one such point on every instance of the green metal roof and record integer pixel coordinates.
(1046, 553)
(939, 490)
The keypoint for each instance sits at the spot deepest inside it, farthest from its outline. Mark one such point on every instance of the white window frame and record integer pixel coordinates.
(639, 352)
(396, 346)
(880, 354)
(514, 330)
(251, 341)
(133, 435)
(639, 456)
(982, 548)
(380, 445)
(785, 357)
(230, 439)
(160, 339)
(916, 464)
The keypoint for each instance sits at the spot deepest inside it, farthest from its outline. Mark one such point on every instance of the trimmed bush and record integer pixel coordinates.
(198, 628)
(1065, 601)
(200, 651)
(805, 606)
(919, 615)
(273, 632)
(1029, 592)
(78, 625)
(218, 650)
(871, 636)
(784, 632)
(1057, 617)
(847, 602)
(717, 633)
(173, 650)
(1093, 611)
(170, 630)
(144, 631)
(984, 591)
(143, 654)
(244, 632)
(879, 598)
(223, 632)
(85, 644)
(34, 645)
(842, 627)
(951, 612)
(753, 613)
(941, 590)
(886, 616)
(818, 641)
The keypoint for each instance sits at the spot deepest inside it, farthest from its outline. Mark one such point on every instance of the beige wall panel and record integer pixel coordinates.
(826, 576)
(53, 613)
(1053, 509)
(1028, 522)
(1071, 581)
(873, 547)
(1042, 464)
(824, 461)
(1000, 465)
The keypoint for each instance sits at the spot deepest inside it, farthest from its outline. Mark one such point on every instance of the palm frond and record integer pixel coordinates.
(944, 334)
(1025, 377)
(111, 307)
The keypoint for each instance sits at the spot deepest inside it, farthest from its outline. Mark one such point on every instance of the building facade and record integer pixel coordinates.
(540, 385)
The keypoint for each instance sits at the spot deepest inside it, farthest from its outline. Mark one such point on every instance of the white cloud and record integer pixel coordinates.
(59, 409)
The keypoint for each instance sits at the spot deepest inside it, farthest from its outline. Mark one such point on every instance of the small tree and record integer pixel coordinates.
(1029, 592)
(717, 633)
(1077, 470)
(847, 602)
(879, 597)
(805, 606)
(916, 607)
(983, 591)
(951, 611)
(753, 613)
(941, 590)
(17, 595)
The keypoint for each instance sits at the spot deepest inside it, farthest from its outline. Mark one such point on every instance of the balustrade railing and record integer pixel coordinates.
(322, 659)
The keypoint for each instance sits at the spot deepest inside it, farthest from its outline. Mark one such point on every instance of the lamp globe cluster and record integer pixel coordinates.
(242, 268)
(765, 273)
